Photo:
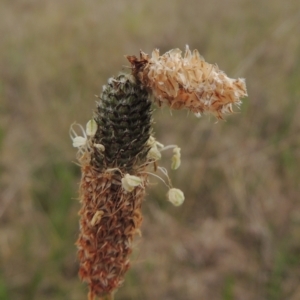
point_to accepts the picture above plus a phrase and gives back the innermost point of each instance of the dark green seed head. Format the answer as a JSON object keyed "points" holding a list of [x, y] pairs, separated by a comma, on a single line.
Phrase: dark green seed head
{"points": [[124, 119]]}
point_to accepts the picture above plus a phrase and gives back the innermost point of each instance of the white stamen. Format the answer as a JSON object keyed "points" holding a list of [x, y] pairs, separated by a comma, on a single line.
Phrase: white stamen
{"points": [[79, 141], [175, 196], [176, 161], [99, 147], [154, 153], [91, 127], [129, 182]]}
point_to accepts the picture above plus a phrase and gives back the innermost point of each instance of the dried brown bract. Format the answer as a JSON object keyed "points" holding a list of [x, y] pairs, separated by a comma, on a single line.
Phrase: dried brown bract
{"points": [[188, 82], [110, 217]]}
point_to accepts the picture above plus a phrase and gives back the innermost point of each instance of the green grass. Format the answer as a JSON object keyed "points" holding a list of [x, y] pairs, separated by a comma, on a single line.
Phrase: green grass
{"points": [[228, 289]]}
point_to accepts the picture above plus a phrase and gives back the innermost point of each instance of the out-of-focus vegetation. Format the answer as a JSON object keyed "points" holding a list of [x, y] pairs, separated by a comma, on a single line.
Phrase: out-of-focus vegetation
{"points": [[237, 236]]}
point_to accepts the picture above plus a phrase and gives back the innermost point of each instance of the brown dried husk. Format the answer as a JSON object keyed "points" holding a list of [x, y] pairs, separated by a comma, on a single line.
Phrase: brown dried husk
{"points": [[110, 217], [188, 82]]}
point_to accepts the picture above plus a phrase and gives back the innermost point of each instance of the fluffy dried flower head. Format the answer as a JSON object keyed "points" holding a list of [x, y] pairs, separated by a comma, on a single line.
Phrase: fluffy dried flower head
{"points": [[188, 82]]}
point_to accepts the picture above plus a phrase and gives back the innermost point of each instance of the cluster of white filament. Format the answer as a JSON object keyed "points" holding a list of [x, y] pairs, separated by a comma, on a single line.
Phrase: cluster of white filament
{"points": [[156, 149], [130, 182]]}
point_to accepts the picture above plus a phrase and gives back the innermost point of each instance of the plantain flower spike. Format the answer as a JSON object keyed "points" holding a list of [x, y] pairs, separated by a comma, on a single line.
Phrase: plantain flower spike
{"points": [[113, 156], [118, 147], [188, 82]]}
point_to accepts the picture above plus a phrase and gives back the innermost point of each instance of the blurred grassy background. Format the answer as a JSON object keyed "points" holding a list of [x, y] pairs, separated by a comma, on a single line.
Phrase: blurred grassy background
{"points": [[237, 236]]}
